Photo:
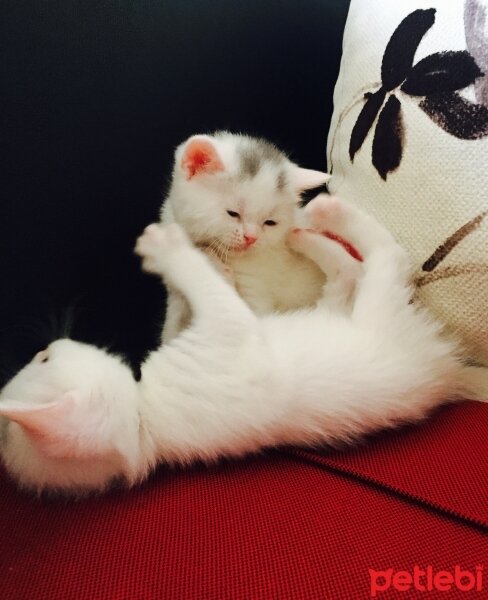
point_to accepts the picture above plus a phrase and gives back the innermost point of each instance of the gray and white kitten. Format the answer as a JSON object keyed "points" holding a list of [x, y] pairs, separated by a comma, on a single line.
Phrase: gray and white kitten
{"points": [[237, 197]]}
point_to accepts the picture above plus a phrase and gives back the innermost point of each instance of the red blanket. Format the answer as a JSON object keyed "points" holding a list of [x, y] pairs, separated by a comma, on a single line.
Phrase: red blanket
{"points": [[295, 525]]}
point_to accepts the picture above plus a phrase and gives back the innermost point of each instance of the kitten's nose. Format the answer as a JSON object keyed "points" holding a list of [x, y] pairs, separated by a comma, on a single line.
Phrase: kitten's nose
{"points": [[249, 239]]}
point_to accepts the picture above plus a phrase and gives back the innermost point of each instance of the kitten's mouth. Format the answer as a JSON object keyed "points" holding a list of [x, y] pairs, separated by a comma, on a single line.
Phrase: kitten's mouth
{"points": [[240, 249], [223, 250]]}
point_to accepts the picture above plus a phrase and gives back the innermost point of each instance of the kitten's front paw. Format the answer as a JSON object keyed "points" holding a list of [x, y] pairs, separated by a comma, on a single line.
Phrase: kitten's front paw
{"points": [[156, 243], [300, 239]]}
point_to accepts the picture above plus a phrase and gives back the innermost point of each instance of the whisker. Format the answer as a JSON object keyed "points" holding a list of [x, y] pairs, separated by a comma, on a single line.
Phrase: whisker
{"points": [[220, 249]]}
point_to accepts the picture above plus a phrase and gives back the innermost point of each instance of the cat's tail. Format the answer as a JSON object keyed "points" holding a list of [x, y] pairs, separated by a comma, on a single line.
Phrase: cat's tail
{"points": [[474, 383]]}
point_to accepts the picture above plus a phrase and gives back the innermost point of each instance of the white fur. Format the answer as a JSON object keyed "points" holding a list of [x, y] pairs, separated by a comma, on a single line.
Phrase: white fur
{"points": [[263, 272], [233, 382]]}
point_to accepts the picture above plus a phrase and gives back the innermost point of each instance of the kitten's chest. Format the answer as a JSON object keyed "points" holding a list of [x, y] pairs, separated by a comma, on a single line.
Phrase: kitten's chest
{"points": [[277, 281]]}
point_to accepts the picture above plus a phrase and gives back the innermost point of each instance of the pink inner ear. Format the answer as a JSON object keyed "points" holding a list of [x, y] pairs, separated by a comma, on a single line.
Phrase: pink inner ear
{"points": [[40, 419], [200, 156]]}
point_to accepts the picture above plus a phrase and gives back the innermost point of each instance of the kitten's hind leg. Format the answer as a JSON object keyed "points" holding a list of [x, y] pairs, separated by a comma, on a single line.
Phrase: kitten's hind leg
{"points": [[341, 269], [384, 291], [330, 213], [167, 251]]}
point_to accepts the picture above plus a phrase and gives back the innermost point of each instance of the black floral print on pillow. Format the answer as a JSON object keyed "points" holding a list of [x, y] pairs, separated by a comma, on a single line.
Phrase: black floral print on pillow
{"points": [[431, 265], [436, 79]]}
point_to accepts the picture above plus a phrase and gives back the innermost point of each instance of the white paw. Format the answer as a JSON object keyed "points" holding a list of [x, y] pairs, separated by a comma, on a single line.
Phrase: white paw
{"points": [[300, 239], [326, 212], [156, 242]]}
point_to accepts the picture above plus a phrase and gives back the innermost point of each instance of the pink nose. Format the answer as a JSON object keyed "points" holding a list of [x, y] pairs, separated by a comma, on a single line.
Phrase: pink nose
{"points": [[249, 239]]}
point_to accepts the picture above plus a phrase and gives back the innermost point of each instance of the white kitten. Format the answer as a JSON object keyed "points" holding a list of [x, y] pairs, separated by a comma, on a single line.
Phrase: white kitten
{"points": [[238, 197], [233, 383]]}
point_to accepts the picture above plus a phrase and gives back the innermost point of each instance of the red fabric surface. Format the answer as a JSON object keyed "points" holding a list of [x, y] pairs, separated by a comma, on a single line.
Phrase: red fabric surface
{"points": [[442, 462], [273, 527]]}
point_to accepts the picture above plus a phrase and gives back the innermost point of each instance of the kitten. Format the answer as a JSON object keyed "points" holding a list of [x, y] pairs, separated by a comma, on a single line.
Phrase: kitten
{"points": [[237, 197], [233, 382]]}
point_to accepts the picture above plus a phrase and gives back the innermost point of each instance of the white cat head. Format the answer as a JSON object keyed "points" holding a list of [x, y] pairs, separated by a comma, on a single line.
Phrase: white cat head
{"points": [[70, 416], [236, 192]]}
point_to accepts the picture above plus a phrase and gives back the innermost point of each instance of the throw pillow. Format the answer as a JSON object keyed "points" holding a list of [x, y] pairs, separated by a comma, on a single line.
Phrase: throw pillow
{"points": [[409, 142]]}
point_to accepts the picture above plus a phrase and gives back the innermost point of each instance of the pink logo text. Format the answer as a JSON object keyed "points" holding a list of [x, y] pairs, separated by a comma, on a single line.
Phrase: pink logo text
{"points": [[426, 580]]}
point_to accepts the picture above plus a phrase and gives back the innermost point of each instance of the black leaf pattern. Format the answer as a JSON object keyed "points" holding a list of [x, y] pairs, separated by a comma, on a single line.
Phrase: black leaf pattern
{"points": [[452, 241], [442, 72], [436, 78], [365, 120], [400, 50], [388, 138], [456, 115]]}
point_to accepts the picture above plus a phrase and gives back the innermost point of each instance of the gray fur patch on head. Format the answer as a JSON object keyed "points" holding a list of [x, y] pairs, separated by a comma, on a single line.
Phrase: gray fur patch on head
{"points": [[254, 153], [250, 162], [281, 181]]}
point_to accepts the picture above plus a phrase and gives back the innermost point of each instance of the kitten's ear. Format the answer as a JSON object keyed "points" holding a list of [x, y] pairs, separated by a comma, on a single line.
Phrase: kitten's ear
{"points": [[306, 179], [51, 426], [200, 157]]}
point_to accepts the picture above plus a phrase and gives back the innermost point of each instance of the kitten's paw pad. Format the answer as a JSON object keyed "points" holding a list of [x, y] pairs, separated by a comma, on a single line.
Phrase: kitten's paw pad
{"points": [[326, 211]]}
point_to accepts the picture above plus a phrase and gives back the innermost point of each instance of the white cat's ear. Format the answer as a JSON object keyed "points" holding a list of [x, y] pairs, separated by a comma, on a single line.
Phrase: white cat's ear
{"points": [[200, 157], [306, 179], [51, 426]]}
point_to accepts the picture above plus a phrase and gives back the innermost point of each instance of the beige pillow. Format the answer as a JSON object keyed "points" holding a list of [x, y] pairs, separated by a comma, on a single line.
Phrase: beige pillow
{"points": [[409, 142]]}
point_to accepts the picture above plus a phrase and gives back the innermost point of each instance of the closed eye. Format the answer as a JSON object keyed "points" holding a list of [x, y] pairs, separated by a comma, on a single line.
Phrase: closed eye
{"points": [[233, 214], [270, 223]]}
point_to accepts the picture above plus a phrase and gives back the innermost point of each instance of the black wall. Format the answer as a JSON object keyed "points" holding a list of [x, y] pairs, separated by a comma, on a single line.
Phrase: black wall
{"points": [[94, 98]]}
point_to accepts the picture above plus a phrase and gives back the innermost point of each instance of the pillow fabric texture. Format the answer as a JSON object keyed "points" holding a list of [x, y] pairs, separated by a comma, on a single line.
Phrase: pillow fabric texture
{"points": [[409, 142]]}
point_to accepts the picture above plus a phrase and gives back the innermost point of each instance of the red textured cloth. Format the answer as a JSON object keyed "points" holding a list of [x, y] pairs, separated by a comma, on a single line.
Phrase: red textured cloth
{"points": [[442, 463], [268, 528]]}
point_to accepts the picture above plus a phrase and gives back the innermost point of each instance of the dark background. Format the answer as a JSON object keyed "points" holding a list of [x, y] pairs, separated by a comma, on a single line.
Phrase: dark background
{"points": [[94, 98]]}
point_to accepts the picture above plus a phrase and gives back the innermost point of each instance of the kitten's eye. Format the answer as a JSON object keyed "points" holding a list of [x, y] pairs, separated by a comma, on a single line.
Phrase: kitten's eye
{"points": [[233, 214], [270, 223]]}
